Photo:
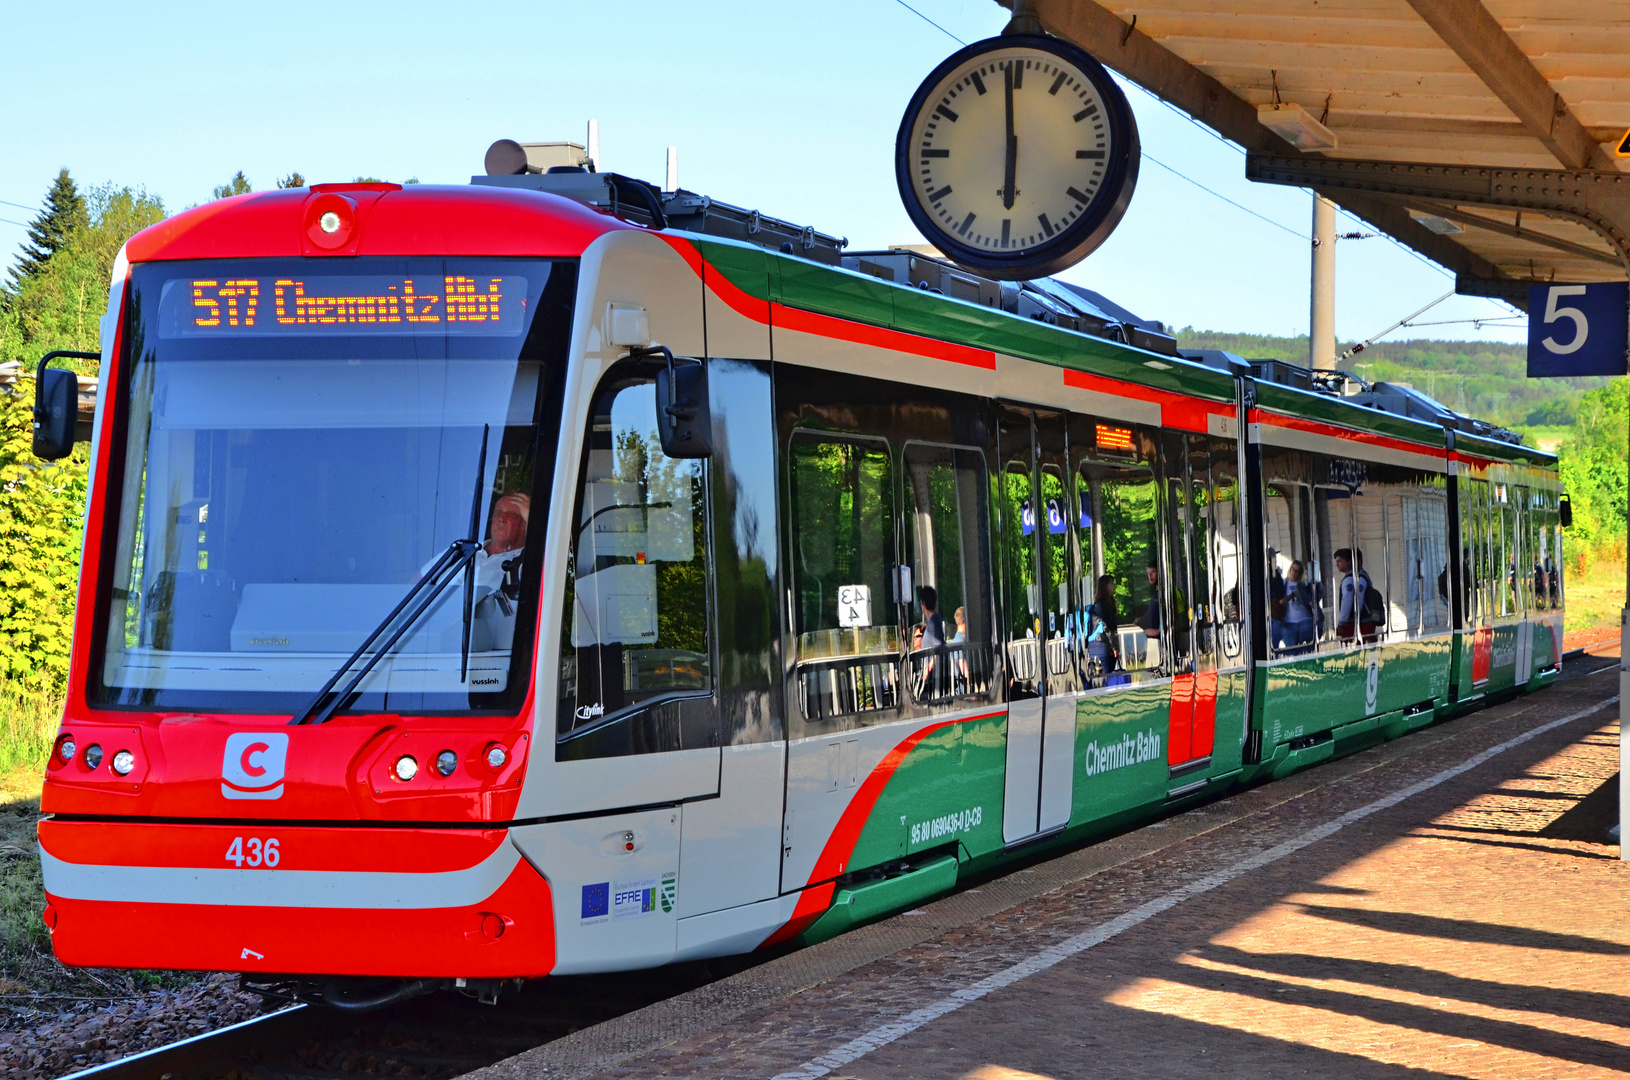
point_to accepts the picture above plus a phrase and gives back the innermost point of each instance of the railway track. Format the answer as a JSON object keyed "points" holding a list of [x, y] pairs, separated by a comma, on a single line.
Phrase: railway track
{"points": [[441, 1035]]}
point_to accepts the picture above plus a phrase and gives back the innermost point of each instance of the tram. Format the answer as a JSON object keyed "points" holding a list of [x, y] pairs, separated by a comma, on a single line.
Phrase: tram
{"points": [[558, 575]]}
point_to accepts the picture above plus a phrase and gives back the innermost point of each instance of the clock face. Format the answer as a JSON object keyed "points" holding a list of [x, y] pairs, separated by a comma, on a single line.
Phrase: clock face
{"points": [[1017, 156]]}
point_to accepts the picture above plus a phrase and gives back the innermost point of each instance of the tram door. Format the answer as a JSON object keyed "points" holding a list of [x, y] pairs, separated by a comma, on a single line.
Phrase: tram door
{"points": [[1190, 606], [1036, 536]]}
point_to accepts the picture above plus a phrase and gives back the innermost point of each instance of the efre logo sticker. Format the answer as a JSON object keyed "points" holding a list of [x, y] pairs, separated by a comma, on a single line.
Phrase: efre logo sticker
{"points": [[253, 765]]}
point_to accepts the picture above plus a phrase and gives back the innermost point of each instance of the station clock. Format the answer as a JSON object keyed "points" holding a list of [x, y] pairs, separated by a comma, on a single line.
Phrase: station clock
{"points": [[1017, 156]]}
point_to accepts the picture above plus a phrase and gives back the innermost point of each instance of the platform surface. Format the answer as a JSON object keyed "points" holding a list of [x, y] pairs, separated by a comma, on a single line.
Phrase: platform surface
{"points": [[1442, 905]]}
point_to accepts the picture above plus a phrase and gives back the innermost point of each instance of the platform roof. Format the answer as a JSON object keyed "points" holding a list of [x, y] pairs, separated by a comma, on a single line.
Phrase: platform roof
{"points": [[1501, 83]]}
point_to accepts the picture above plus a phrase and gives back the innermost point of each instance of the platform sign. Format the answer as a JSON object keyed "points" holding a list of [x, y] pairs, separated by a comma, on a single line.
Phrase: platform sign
{"points": [[1578, 329]]}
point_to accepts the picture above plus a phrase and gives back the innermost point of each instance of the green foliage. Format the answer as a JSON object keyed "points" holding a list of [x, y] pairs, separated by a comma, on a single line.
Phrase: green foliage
{"points": [[29, 717], [60, 306], [1485, 379], [1594, 470], [64, 212], [293, 180], [238, 185], [41, 510]]}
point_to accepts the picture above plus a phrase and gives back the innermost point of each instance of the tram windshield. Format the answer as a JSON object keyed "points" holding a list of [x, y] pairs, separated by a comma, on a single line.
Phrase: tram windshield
{"points": [[295, 443]]}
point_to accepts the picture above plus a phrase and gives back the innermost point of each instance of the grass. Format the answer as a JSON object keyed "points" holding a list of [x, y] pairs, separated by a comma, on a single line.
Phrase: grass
{"points": [[1596, 596], [29, 718]]}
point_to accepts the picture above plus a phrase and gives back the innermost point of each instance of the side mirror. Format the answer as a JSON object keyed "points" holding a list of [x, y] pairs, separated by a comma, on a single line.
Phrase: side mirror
{"points": [[56, 406], [684, 418], [1566, 509]]}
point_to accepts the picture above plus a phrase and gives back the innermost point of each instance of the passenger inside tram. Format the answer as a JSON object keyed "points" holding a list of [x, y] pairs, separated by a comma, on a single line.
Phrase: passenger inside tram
{"points": [[1151, 621], [1103, 628], [1359, 598], [1296, 620]]}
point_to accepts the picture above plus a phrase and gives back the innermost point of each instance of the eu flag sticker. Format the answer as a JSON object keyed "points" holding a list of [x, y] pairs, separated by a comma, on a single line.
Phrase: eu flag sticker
{"points": [[596, 901]]}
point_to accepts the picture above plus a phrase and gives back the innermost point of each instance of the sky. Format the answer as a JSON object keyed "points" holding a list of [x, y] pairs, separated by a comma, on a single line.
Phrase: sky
{"points": [[791, 109]]}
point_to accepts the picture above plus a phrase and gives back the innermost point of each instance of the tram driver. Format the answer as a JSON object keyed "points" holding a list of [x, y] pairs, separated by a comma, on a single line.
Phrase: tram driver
{"points": [[498, 573]]}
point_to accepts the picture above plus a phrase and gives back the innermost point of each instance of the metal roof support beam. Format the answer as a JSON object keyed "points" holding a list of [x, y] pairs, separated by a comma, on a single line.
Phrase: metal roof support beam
{"points": [[1599, 200], [1478, 221], [1127, 50], [1478, 39]]}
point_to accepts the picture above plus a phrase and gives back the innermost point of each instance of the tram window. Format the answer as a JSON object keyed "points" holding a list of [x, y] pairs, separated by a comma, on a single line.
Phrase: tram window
{"points": [[947, 550], [1546, 564], [1225, 560], [1403, 580], [1018, 545], [1432, 524], [1473, 556], [844, 580], [638, 581], [282, 491], [1333, 516], [1371, 528], [1118, 506], [1293, 582]]}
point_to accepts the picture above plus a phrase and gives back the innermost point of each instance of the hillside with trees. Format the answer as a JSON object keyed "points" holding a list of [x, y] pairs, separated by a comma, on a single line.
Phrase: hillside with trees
{"points": [[1485, 379]]}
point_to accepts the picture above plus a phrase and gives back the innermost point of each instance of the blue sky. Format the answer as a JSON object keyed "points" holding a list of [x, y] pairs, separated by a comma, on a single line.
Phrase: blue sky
{"points": [[789, 108]]}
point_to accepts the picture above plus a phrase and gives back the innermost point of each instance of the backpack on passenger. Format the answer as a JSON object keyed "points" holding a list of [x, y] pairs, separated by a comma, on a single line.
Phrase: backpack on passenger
{"points": [[1375, 605]]}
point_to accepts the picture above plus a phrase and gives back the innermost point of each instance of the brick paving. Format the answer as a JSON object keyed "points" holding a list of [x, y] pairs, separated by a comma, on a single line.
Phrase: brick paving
{"points": [[1477, 928]]}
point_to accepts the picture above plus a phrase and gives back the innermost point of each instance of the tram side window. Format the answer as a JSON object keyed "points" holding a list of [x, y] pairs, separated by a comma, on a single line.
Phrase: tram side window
{"points": [[1333, 520], [638, 578], [948, 556], [1432, 525], [845, 591], [1118, 506], [1225, 560], [1473, 554], [1294, 612], [1369, 562], [1547, 560]]}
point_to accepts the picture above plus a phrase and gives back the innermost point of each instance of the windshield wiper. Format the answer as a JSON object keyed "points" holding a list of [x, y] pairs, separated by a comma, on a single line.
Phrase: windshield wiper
{"points": [[459, 556]]}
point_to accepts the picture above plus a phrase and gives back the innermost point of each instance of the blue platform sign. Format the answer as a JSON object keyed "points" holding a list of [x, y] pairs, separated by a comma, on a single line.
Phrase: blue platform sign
{"points": [[1578, 329]]}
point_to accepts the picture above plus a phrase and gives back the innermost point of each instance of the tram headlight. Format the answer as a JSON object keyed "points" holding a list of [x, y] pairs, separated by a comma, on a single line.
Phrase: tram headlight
{"points": [[496, 756], [123, 762], [93, 756], [406, 767], [66, 750], [446, 762]]}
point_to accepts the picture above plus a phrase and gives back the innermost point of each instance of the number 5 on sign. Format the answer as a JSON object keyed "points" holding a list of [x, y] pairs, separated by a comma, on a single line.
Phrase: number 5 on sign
{"points": [[1577, 329]]}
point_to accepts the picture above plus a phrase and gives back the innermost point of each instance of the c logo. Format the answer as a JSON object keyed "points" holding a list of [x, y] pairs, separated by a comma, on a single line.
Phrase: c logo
{"points": [[249, 768], [253, 764]]}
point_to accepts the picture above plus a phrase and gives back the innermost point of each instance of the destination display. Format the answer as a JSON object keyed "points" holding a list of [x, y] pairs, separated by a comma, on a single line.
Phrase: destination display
{"points": [[437, 304]]}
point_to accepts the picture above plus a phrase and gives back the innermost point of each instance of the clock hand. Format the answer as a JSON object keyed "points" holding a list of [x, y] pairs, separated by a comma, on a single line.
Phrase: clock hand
{"points": [[1010, 168]]}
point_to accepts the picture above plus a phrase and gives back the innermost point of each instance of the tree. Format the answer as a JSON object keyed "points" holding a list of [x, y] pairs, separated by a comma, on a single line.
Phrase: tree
{"points": [[238, 185], [64, 212], [293, 180], [60, 306]]}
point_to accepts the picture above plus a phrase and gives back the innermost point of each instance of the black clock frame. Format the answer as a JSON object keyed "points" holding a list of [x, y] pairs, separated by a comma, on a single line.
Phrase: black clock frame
{"points": [[1082, 236]]}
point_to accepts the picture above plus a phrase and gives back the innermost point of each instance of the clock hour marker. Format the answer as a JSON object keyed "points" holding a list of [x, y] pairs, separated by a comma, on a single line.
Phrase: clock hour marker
{"points": [[951, 116], [1090, 155], [1077, 196], [1058, 82], [1046, 226], [1090, 110], [978, 83], [946, 190], [1018, 73], [1007, 226], [967, 221], [927, 153]]}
